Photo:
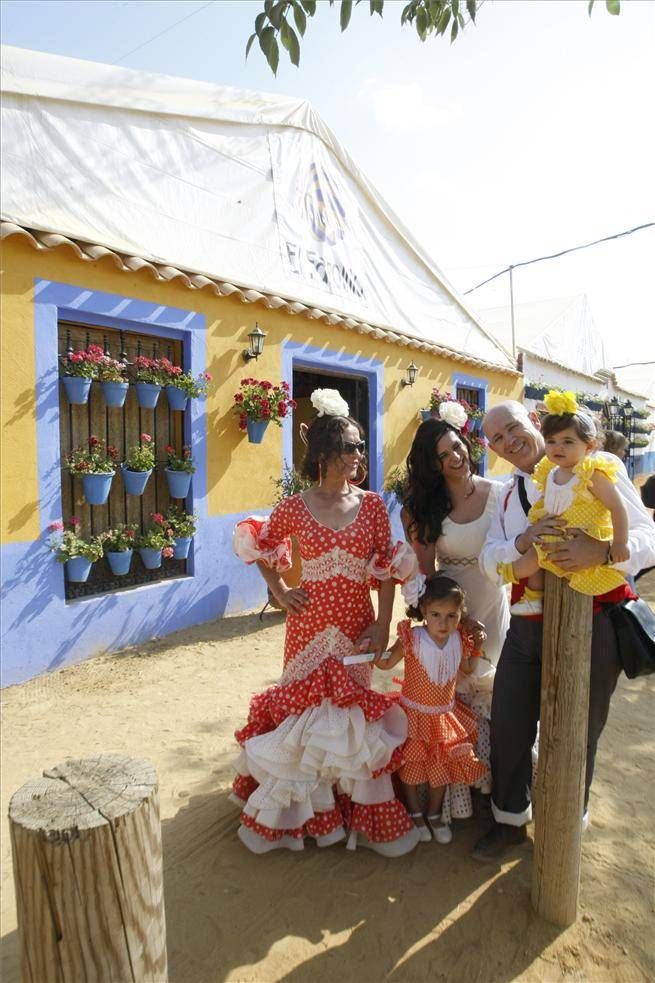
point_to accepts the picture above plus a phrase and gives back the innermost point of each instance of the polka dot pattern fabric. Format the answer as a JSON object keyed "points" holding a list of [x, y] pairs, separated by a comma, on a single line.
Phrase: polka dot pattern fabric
{"points": [[585, 512], [440, 745], [318, 748]]}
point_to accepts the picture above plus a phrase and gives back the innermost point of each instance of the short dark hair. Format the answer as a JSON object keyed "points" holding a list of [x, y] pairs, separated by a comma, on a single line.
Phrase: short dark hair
{"points": [[581, 422], [438, 588], [325, 442]]}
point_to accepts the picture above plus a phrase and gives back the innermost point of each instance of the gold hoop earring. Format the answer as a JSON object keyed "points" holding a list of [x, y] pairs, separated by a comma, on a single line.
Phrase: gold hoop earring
{"points": [[360, 477]]}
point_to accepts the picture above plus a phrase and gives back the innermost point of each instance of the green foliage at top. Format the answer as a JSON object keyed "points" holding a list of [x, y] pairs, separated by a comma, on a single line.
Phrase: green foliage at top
{"points": [[284, 22]]}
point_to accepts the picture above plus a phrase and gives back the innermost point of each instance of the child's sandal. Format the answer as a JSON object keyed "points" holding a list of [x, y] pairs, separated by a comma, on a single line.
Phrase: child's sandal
{"points": [[441, 831], [424, 832]]}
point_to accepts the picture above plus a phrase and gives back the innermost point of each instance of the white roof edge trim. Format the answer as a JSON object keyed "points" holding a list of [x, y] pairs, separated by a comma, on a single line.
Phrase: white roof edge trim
{"points": [[284, 111], [91, 252]]}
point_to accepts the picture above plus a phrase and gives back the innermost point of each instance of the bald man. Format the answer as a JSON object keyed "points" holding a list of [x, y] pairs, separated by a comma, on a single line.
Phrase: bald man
{"points": [[514, 435]]}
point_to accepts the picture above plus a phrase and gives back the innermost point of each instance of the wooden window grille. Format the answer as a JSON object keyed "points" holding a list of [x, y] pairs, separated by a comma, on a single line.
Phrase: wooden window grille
{"points": [[120, 427]]}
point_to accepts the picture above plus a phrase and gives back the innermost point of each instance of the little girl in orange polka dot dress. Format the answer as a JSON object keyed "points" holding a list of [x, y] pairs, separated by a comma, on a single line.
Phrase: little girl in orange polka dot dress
{"points": [[442, 731]]}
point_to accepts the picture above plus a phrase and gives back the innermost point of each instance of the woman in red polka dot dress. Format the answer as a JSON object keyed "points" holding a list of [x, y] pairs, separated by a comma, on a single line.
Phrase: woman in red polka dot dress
{"points": [[442, 730], [319, 747]]}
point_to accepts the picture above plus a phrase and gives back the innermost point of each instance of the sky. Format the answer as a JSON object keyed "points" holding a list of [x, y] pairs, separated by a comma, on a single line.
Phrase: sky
{"points": [[531, 134]]}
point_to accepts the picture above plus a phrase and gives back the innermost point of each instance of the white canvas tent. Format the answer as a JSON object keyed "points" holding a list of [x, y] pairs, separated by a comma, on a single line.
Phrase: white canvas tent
{"points": [[249, 188]]}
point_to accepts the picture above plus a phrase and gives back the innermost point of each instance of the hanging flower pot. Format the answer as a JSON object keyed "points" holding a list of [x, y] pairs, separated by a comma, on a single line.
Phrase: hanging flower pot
{"points": [[97, 487], [147, 394], [77, 388], [78, 569], [151, 558], [119, 563], [115, 392], [182, 547], [177, 398], [256, 430], [135, 481], [179, 483]]}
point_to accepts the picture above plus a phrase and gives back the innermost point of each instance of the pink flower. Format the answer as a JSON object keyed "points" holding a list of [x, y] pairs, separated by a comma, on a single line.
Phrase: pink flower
{"points": [[208, 376], [170, 449], [56, 526], [167, 552], [238, 397], [129, 533], [285, 385], [158, 518], [74, 521], [93, 441], [146, 438], [113, 452], [76, 357]]}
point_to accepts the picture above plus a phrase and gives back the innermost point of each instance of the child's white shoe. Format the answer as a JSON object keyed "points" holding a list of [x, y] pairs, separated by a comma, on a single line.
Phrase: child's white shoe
{"points": [[423, 831], [525, 608], [441, 831]]}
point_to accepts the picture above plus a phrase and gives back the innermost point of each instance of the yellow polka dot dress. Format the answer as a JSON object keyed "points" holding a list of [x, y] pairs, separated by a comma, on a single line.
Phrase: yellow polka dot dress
{"points": [[576, 503]]}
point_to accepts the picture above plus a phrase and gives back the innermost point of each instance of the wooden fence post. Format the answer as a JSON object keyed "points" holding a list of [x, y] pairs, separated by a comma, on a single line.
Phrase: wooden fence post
{"points": [[86, 842], [559, 791]]}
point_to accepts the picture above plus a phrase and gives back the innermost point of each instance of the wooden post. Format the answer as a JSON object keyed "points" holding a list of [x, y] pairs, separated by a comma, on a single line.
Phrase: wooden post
{"points": [[86, 843], [559, 791]]}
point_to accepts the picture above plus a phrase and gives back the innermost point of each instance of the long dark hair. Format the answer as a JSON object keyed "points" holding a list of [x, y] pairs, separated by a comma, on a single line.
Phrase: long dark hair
{"points": [[325, 441], [427, 500]]}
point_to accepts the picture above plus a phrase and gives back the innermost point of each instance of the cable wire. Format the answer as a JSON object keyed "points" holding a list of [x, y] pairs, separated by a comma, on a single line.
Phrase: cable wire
{"points": [[563, 252], [165, 31]]}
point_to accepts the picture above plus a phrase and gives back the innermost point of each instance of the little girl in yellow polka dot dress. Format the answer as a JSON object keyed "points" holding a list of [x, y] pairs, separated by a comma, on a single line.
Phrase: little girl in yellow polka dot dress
{"points": [[580, 487], [442, 731]]}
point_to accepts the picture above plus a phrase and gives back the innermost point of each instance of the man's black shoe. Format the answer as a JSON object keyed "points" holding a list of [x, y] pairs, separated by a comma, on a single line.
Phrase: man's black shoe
{"points": [[497, 841]]}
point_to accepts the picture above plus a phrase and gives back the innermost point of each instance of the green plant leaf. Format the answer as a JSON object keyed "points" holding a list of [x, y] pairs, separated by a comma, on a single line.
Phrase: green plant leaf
{"points": [[346, 11], [273, 57], [275, 15], [260, 20], [455, 7], [290, 41], [590, 7], [444, 20], [472, 8], [613, 6], [249, 45], [266, 38], [300, 19], [453, 30], [421, 22], [309, 6]]}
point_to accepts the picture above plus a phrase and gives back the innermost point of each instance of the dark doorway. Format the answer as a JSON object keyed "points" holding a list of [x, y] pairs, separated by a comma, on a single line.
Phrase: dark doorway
{"points": [[354, 390]]}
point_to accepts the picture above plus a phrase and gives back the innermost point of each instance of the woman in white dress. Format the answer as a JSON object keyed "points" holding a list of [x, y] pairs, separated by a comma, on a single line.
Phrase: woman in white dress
{"points": [[447, 512]]}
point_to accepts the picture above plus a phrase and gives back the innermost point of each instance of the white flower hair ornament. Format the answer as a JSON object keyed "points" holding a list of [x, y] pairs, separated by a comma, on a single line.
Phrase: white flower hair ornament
{"points": [[329, 402], [413, 590], [453, 413]]}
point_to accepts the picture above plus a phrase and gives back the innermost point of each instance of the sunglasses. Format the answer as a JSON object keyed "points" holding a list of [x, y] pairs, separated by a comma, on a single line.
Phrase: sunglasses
{"points": [[350, 446]]}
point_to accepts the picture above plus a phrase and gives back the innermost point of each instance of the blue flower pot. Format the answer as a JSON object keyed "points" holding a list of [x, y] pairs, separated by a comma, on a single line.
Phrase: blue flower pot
{"points": [[77, 388], [256, 430], [78, 569], [147, 394], [182, 547], [179, 483], [115, 392], [119, 563], [96, 487], [151, 558], [177, 398], [135, 481]]}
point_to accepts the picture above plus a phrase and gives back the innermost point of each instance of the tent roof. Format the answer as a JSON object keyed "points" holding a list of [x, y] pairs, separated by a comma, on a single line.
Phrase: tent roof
{"points": [[560, 330], [241, 187]]}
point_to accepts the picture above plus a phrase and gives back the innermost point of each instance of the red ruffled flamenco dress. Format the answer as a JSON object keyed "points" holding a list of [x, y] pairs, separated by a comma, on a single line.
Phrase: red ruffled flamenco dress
{"points": [[319, 748]]}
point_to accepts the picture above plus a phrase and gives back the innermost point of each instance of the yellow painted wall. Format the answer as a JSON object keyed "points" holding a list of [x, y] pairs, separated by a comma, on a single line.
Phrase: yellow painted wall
{"points": [[239, 474]]}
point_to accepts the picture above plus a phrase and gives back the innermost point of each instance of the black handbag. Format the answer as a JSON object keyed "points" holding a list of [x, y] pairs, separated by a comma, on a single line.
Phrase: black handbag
{"points": [[634, 624]]}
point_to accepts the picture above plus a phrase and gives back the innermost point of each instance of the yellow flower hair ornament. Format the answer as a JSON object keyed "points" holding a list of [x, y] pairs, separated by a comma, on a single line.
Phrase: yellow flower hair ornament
{"points": [[559, 403]]}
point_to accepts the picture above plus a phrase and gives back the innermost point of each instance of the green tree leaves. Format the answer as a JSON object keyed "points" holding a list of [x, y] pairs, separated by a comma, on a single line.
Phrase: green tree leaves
{"points": [[274, 25]]}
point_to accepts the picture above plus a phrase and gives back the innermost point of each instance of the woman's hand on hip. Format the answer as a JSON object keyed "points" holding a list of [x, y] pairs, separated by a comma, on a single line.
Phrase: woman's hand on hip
{"points": [[293, 599]]}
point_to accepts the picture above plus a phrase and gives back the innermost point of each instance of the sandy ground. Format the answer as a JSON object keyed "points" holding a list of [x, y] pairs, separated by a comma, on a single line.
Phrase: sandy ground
{"points": [[331, 915]]}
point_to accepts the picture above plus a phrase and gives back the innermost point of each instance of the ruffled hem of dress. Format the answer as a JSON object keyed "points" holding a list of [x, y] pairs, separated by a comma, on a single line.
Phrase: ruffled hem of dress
{"points": [[329, 681], [448, 729]]}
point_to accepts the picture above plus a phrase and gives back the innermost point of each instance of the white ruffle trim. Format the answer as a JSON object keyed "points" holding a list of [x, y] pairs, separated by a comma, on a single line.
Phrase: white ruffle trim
{"points": [[400, 565], [298, 763]]}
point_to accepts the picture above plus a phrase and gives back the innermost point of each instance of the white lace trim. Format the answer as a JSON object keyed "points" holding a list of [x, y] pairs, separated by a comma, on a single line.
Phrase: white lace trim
{"points": [[423, 708], [331, 641], [441, 665], [337, 562]]}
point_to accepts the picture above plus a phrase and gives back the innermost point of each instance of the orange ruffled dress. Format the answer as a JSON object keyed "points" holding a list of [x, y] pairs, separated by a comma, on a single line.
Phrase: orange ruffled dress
{"points": [[442, 731], [319, 747]]}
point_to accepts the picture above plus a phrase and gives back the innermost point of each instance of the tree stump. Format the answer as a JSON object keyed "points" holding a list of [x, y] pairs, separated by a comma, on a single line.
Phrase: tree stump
{"points": [[559, 791], [86, 843]]}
